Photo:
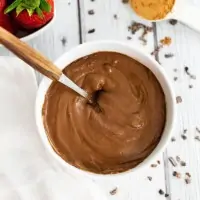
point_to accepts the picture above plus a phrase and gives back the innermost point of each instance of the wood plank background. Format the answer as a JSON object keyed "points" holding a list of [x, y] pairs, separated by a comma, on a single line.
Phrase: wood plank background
{"points": [[110, 21]]}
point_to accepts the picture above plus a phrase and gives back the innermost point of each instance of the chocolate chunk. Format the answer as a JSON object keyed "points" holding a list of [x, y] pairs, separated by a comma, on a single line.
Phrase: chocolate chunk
{"points": [[161, 192], [91, 12], [115, 16], [114, 191], [173, 21], [188, 174], [178, 99], [64, 41], [197, 129], [184, 137], [175, 78], [91, 31], [183, 163], [172, 161], [149, 178], [169, 55], [173, 139], [190, 86], [185, 131], [166, 195], [177, 174], [187, 180], [197, 138], [188, 73]]}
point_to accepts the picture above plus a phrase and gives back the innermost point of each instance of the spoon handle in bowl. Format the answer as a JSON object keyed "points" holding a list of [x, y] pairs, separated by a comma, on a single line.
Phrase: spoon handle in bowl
{"points": [[29, 55], [189, 15]]}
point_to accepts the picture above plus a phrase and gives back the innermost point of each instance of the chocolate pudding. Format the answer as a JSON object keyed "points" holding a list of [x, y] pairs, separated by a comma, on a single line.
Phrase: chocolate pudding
{"points": [[120, 128]]}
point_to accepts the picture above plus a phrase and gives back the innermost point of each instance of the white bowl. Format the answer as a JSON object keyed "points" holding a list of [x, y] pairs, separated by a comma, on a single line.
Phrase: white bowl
{"points": [[131, 51]]}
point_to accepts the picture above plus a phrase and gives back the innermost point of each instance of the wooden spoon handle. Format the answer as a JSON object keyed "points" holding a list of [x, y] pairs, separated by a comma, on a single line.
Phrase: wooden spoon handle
{"points": [[29, 55]]}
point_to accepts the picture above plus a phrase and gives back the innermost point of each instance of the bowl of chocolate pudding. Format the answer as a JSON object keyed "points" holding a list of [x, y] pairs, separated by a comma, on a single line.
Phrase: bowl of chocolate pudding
{"points": [[135, 116]]}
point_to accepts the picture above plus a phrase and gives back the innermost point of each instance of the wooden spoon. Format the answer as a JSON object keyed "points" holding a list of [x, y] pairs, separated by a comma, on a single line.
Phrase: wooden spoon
{"points": [[37, 61]]}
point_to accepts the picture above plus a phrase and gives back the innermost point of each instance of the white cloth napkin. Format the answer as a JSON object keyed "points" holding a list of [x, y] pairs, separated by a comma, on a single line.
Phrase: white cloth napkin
{"points": [[26, 172]]}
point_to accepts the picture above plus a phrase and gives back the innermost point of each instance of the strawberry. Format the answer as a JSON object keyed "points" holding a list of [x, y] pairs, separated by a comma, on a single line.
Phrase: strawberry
{"points": [[2, 5], [5, 22], [31, 14]]}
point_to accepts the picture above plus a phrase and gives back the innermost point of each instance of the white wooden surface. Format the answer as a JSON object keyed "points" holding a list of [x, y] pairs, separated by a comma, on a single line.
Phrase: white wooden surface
{"points": [[72, 25]]}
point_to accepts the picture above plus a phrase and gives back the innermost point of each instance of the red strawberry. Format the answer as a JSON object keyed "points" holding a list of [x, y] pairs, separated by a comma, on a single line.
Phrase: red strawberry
{"points": [[2, 5], [32, 14], [5, 22]]}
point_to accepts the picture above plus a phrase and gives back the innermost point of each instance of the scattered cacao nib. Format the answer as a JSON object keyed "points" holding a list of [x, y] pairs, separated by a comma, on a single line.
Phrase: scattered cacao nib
{"points": [[177, 174], [91, 12], [187, 180], [175, 78], [149, 178], [135, 26], [169, 55], [161, 192], [129, 38], [69, 3], [115, 16], [183, 163], [114, 191], [64, 41], [175, 70], [178, 99], [125, 1], [153, 165], [92, 0], [173, 22], [185, 131], [156, 50], [91, 31], [158, 161], [166, 195], [143, 40], [197, 138], [190, 86], [197, 129], [173, 139], [184, 137], [188, 73], [188, 174], [166, 41], [172, 161], [178, 159]]}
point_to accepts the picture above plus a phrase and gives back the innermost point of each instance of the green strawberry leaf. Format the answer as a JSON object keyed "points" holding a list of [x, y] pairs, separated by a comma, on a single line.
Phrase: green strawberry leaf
{"points": [[30, 11], [39, 12], [45, 6], [19, 9], [30, 6], [12, 6]]}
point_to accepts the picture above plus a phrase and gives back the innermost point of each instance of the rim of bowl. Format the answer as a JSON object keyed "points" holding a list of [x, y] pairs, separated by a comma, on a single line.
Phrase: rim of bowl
{"points": [[140, 56]]}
